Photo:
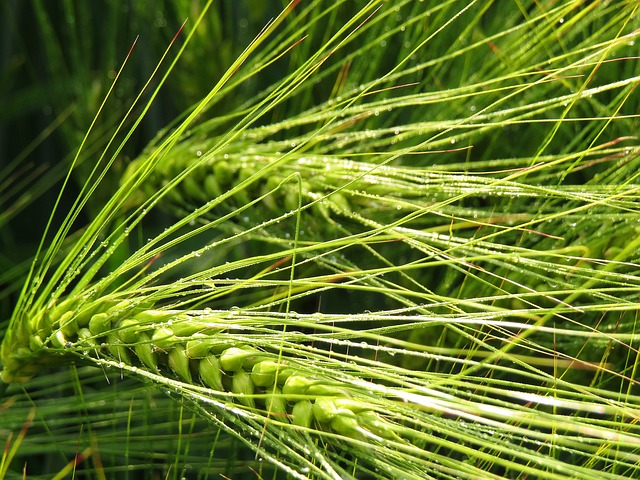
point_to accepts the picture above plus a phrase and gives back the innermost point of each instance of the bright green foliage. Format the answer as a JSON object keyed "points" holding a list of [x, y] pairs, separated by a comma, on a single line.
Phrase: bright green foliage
{"points": [[389, 240]]}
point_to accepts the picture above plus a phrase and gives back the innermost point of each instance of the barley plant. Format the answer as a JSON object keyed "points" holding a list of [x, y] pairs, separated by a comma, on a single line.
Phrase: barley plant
{"points": [[321, 240]]}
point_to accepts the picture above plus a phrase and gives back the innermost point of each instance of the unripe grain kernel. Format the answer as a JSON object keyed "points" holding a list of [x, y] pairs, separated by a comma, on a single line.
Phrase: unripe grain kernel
{"points": [[275, 403], [42, 324], [263, 373], [302, 413], [99, 323], [65, 306], [58, 340], [183, 326], [211, 372], [179, 363], [128, 330], [120, 309], [84, 315], [85, 337], [347, 426], [163, 337], [242, 385], [297, 385], [144, 351], [234, 358], [87, 341], [202, 345], [68, 324], [253, 359], [284, 373], [23, 332], [198, 348], [372, 422], [35, 343], [323, 389], [117, 349], [152, 316], [352, 405], [326, 409]]}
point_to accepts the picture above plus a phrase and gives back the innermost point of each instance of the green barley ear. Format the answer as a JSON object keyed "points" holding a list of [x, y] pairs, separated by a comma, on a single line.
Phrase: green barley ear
{"points": [[430, 272]]}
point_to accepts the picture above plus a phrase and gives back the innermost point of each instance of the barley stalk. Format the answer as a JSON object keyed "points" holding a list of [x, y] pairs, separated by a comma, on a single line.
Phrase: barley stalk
{"points": [[196, 348], [242, 363]]}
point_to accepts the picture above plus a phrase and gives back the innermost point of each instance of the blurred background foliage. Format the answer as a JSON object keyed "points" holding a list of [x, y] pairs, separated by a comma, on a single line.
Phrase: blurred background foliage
{"points": [[58, 61]]}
